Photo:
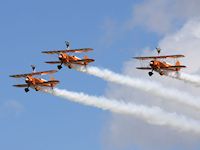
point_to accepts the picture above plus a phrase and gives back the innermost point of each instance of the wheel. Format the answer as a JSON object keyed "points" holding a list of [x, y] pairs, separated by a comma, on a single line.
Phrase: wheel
{"points": [[37, 88], [161, 73], [59, 67], [69, 66], [26, 90], [150, 73]]}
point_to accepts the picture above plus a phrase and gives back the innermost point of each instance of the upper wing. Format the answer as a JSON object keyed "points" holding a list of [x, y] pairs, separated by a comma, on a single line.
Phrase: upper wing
{"points": [[159, 57], [33, 74], [21, 85], [68, 51]]}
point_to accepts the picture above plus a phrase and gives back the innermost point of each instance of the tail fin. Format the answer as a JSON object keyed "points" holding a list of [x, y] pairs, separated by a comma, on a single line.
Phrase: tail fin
{"points": [[53, 82], [85, 62], [86, 57], [178, 64], [52, 78]]}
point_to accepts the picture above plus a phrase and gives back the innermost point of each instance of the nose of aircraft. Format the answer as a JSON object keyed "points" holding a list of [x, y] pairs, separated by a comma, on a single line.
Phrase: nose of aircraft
{"points": [[60, 56], [151, 63], [27, 79]]}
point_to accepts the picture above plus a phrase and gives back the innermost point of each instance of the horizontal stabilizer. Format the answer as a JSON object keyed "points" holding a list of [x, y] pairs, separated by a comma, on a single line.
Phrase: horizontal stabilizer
{"points": [[82, 60]]}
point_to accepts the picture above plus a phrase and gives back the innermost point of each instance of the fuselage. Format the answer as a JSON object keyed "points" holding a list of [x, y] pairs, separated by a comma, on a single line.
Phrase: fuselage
{"points": [[35, 82], [68, 59], [162, 67], [155, 64], [65, 58]]}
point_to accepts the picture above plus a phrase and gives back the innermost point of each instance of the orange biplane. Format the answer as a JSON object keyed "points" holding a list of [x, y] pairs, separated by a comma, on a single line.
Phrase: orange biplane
{"points": [[69, 60], [36, 83], [162, 67]]}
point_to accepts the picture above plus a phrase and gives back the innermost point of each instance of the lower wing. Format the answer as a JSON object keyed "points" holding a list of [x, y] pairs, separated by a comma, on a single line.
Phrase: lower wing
{"points": [[21, 85], [53, 62], [33, 74], [144, 68]]}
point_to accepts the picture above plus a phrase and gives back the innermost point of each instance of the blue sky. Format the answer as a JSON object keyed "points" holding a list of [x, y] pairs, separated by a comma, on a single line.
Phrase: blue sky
{"points": [[39, 121]]}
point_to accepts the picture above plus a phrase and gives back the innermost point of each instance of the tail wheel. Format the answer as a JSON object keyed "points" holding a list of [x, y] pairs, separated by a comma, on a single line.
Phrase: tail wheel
{"points": [[85, 64], [37, 88], [59, 67], [150, 73], [69, 66], [161, 73]]}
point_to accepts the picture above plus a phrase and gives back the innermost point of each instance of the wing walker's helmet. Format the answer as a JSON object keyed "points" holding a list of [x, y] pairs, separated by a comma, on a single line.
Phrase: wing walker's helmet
{"points": [[158, 50], [33, 67], [67, 44]]}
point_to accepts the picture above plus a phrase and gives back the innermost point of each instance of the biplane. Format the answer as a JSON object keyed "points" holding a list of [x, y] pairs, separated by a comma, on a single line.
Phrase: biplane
{"points": [[36, 83], [69, 60], [157, 63]]}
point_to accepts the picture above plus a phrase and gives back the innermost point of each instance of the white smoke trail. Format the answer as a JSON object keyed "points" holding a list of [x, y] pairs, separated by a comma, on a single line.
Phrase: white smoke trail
{"points": [[145, 85], [151, 115], [188, 78]]}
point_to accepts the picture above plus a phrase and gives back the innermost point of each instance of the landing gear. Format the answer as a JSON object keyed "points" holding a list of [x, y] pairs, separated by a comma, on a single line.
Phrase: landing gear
{"points": [[69, 66], [150, 73], [59, 67], [161, 73], [37, 88], [26, 90]]}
